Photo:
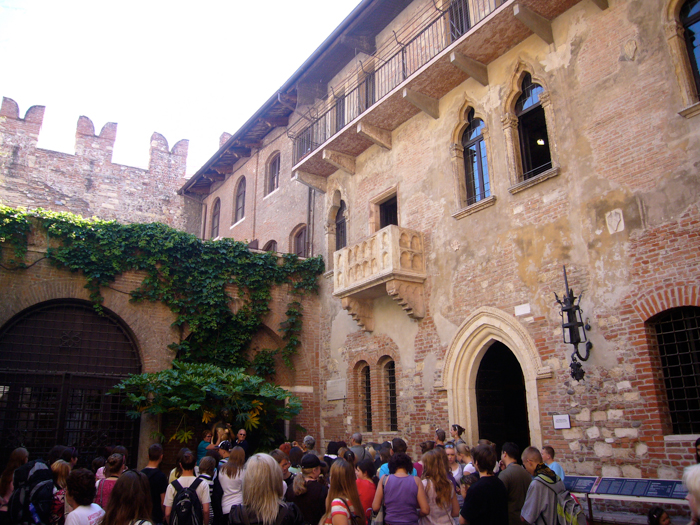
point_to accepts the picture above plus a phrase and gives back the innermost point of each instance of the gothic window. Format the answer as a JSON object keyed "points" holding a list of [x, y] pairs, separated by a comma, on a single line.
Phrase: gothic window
{"points": [[390, 375], [215, 216], [678, 338], [271, 246], [240, 201], [690, 18], [300, 242], [340, 227], [475, 163], [273, 173], [532, 130], [366, 392]]}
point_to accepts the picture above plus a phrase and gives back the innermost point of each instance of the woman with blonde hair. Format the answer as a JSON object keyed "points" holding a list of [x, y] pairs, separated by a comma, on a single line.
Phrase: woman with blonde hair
{"points": [[343, 505], [60, 470], [262, 496], [231, 480], [442, 498], [130, 501]]}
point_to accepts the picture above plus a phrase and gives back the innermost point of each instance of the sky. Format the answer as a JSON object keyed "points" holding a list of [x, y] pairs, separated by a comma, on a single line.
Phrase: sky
{"points": [[186, 69]]}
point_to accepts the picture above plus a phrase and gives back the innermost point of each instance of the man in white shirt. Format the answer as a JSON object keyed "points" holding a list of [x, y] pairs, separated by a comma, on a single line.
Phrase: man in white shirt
{"points": [[186, 479], [80, 493]]}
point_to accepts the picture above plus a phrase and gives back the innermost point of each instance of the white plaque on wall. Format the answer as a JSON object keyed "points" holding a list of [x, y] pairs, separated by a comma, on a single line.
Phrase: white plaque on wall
{"points": [[561, 421], [336, 389]]}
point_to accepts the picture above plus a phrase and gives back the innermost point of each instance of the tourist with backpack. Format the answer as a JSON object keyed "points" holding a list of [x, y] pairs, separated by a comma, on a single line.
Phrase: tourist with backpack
{"points": [[547, 501], [187, 498], [31, 499], [18, 458]]}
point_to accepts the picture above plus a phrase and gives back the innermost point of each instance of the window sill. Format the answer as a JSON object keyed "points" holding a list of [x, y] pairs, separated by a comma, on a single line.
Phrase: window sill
{"points": [[549, 174], [680, 438], [690, 111], [271, 193], [473, 208], [236, 224]]}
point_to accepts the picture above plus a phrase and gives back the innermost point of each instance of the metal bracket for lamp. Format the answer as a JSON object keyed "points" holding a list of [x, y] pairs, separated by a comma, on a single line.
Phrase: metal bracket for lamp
{"points": [[574, 327]]}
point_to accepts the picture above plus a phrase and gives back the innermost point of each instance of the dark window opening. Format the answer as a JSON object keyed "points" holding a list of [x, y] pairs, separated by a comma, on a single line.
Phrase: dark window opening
{"points": [[368, 398], [532, 130], [690, 18], [678, 336], [273, 174], [215, 216], [271, 246], [475, 162], [340, 227], [300, 243], [240, 201], [340, 113], [389, 212], [459, 18], [368, 91], [391, 390]]}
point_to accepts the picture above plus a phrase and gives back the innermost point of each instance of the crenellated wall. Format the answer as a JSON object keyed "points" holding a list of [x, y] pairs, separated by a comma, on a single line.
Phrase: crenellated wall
{"points": [[89, 183]]}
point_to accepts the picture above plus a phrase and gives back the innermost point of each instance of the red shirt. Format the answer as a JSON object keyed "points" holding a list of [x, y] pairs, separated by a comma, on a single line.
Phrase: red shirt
{"points": [[366, 490]]}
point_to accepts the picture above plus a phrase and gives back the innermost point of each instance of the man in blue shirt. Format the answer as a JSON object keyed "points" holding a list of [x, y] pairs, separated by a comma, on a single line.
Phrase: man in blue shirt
{"points": [[548, 458]]}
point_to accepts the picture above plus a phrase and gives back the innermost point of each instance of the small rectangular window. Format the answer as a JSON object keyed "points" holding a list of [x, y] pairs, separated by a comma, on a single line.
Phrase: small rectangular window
{"points": [[391, 390]]}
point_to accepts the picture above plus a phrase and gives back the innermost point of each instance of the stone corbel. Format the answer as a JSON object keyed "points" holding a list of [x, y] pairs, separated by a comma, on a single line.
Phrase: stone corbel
{"points": [[361, 311], [409, 295]]}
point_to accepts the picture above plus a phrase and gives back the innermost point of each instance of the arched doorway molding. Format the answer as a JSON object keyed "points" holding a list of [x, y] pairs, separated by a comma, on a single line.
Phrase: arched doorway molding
{"points": [[474, 337]]}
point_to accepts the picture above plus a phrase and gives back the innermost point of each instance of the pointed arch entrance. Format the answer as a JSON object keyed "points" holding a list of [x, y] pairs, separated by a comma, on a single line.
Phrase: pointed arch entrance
{"points": [[477, 334], [57, 361]]}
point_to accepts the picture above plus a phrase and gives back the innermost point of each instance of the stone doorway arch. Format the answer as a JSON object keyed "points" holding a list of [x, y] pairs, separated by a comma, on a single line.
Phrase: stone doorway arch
{"points": [[471, 342]]}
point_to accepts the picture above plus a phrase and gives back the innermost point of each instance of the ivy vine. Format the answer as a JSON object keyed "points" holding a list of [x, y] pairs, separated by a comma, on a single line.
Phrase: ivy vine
{"points": [[195, 278]]}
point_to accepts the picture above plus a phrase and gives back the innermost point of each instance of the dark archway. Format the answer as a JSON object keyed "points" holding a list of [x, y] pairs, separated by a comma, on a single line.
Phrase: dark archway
{"points": [[57, 361], [500, 397]]}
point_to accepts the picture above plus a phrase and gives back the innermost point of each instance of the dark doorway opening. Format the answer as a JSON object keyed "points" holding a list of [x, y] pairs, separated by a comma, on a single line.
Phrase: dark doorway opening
{"points": [[500, 398], [389, 212], [57, 362]]}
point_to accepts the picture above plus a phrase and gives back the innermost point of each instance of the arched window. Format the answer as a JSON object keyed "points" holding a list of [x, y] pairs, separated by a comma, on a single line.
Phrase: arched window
{"points": [[240, 201], [475, 163], [366, 393], [340, 229], [690, 18], [390, 376], [300, 242], [271, 246], [273, 173], [678, 338], [215, 216], [532, 130]]}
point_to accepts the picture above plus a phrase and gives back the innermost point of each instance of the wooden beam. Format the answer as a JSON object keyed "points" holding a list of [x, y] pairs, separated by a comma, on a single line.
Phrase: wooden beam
{"points": [[361, 43], [199, 189], [381, 137], [602, 4], [471, 67], [340, 160], [239, 152], [535, 22], [423, 102], [214, 176], [317, 182], [275, 122]]}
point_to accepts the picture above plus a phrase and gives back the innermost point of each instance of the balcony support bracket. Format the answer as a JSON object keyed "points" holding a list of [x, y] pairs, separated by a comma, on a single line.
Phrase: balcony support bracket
{"points": [[423, 102], [471, 67], [317, 182], [602, 4], [409, 295], [381, 137], [340, 160], [535, 22], [361, 310]]}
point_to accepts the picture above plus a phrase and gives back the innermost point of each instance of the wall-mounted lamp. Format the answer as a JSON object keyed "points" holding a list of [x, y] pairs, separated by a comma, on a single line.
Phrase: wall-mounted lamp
{"points": [[574, 329]]}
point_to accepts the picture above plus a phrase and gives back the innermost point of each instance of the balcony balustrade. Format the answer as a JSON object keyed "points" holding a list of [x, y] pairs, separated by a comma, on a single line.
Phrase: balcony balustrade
{"points": [[388, 262]]}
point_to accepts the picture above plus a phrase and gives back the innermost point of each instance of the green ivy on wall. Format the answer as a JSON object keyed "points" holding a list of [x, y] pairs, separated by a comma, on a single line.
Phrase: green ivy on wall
{"points": [[191, 276]]}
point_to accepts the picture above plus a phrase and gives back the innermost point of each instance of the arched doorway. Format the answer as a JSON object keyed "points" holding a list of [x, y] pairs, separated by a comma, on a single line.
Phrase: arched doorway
{"points": [[57, 361], [500, 398]]}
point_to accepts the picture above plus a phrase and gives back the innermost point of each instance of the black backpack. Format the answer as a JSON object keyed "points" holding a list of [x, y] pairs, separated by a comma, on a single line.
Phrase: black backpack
{"points": [[30, 503], [187, 509]]}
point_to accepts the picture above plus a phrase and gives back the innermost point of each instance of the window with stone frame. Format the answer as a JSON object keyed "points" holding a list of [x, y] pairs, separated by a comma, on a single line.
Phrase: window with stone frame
{"points": [[690, 19], [273, 173], [300, 247], [476, 167], [239, 213], [215, 218], [340, 227], [390, 377], [677, 334], [535, 155], [270, 246]]}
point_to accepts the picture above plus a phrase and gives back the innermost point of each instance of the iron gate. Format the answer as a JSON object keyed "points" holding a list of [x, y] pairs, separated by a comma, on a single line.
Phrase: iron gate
{"points": [[57, 361]]}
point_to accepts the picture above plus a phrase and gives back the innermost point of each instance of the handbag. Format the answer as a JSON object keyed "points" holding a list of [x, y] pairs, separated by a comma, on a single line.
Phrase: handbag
{"points": [[378, 517]]}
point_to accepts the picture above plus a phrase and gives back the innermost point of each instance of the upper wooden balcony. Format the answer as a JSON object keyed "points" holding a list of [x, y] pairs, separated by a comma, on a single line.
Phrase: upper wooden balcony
{"points": [[455, 44]]}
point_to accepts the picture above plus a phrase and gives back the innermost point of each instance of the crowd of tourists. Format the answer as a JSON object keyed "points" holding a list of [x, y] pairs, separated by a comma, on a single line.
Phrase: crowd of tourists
{"points": [[356, 483]]}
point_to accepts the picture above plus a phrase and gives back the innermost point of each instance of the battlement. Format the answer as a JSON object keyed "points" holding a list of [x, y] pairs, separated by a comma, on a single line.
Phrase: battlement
{"points": [[87, 182]]}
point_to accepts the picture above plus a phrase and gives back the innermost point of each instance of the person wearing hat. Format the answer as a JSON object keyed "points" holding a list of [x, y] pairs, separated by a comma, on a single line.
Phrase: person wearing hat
{"points": [[225, 448], [307, 492]]}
